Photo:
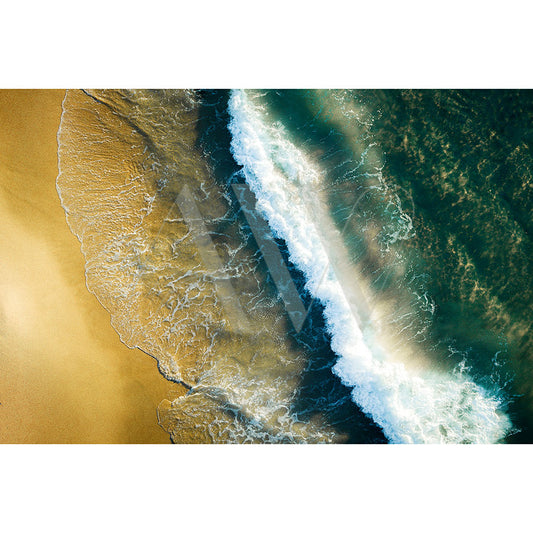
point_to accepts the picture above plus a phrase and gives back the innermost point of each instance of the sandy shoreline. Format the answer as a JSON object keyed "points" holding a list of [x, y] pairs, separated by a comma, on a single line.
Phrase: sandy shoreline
{"points": [[64, 374]]}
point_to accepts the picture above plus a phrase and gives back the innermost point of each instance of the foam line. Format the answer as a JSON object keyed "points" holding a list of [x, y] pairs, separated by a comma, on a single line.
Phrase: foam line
{"points": [[423, 407]]}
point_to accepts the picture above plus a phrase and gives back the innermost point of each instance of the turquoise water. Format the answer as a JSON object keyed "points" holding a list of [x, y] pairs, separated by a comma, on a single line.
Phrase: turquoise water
{"points": [[401, 216]]}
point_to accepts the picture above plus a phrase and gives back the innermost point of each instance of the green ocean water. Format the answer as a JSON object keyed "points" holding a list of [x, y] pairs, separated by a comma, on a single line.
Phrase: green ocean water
{"points": [[460, 162], [466, 159], [430, 193]]}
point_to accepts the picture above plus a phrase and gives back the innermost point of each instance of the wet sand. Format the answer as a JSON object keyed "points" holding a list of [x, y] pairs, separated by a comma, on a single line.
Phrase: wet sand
{"points": [[64, 374]]}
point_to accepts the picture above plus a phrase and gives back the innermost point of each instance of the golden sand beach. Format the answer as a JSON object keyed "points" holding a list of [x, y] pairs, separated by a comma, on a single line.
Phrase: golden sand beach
{"points": [[64, 375]]}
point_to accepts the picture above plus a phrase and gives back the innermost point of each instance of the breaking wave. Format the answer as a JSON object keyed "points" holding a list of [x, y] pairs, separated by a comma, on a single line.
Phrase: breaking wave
{"points": [[411, 404]]}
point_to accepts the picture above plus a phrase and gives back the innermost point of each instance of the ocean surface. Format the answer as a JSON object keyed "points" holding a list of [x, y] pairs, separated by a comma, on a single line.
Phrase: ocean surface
{"points": [[314, 266]]}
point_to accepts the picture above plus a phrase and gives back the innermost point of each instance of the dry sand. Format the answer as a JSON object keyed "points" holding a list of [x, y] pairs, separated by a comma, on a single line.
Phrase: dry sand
{"points": [[64, 374]]}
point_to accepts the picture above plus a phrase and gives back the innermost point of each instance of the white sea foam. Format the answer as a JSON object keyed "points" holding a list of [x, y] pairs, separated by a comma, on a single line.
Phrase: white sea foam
{"points": [[411, 406]]}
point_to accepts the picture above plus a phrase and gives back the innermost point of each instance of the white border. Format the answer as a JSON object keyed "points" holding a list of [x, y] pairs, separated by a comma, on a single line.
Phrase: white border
{"points": [[265, 488], [279, 43]]}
